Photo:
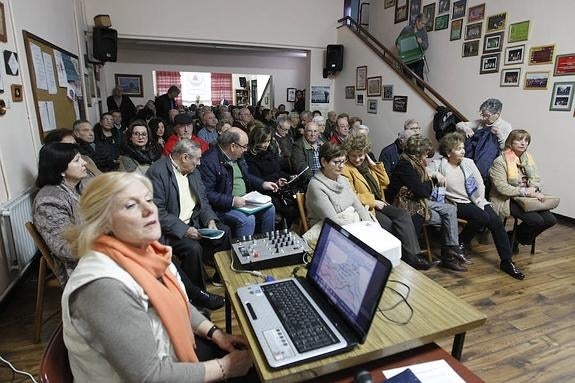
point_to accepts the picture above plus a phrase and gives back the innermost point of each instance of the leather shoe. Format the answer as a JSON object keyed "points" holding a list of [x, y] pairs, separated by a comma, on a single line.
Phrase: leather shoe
{"points": [[460, 255], [419, 263], [510, 268], [450, 258], [452, 264], [210, 301], [514, 243]]}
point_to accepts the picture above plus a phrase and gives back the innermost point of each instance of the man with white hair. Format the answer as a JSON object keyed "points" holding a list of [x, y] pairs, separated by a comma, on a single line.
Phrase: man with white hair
{"points": [[390, 154]]}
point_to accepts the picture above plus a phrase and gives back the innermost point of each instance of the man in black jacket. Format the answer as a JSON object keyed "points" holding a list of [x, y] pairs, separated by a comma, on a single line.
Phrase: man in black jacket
{"points": [[166, 102]]}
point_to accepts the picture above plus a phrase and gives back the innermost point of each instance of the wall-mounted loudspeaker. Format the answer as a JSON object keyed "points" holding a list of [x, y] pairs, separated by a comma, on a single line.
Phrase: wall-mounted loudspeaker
{"points": [[105, 44], [334, 58], [243, 82]]}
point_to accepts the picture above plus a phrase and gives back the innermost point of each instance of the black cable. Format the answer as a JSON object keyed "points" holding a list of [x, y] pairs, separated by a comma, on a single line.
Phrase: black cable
{"points": [[402, 300]]}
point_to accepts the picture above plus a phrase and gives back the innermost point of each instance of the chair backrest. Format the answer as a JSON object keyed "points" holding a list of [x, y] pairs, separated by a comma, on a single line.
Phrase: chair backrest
{"points": [[300, 199], [42, 247], [409, 49], [55, 366]]}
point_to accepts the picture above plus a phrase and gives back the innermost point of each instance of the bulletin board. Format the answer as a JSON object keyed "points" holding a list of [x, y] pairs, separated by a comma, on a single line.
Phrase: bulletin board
{"points": [[56, 84]]}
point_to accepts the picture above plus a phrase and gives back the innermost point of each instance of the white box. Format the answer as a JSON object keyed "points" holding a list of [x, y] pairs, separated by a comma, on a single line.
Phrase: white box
{"points": [[378, 239]]}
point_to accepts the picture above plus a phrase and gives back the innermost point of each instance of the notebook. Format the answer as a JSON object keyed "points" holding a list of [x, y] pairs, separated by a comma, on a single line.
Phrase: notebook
{"points": [[327, 312]]}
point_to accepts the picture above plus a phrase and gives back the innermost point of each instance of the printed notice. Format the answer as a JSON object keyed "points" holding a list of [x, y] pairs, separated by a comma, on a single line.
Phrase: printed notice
{"points": [[39, 70], [49, 69]]}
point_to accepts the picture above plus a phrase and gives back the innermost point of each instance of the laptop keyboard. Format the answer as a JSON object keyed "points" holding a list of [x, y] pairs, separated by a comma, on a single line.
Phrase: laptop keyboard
{"points": [[305, 327]]}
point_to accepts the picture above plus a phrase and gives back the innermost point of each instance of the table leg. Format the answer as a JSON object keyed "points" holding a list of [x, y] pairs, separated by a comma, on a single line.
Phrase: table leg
{"points": [[228, 313], [458, 345]]}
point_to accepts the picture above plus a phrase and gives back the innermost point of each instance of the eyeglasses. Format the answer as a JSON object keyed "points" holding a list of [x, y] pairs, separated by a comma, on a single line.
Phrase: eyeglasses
{"points": [[487, 114], [244, 147], [338, 162], [140, 134]]}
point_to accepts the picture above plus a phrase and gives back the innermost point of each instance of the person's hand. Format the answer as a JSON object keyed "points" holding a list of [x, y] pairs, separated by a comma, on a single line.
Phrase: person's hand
{"points": [[380, 204], [229, 342], [419, 40], [212, 224], [495, 130], [238, 202], [193, 233], [270, 186], [468, 132], [540, 196], [237, 363], [440, 179], [530, 192], [281, 182]]}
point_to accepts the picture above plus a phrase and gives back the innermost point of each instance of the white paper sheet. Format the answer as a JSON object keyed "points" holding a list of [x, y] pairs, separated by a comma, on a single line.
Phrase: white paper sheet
{"points": [[49, 69], [44, 118], [51, 114], [437, 371], [62, 78], [39, 70]]}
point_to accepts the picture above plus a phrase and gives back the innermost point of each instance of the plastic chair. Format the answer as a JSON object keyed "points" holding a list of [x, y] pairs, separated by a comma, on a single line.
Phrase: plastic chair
{"points": [[409, 49], [304, 223], [55, 365]]}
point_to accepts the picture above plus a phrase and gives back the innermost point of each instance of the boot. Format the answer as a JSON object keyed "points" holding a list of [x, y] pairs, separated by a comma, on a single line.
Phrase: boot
{"points": [[449, 258], [462, 255], [418, 262]]}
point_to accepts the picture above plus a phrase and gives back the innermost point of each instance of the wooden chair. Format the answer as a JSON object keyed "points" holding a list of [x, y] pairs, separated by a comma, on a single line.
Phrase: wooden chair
{"points": [[304, 223], [55, 365], [514, 231], [428, 251], [46, 259]]}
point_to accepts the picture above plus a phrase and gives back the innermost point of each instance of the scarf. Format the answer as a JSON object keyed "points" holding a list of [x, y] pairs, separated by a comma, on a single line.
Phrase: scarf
{"points": [[149, 268], [417, 165], [514, 162], [371, 181]]}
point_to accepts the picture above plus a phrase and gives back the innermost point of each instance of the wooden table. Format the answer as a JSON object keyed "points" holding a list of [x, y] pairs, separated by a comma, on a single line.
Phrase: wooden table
{"points": [[437, 314]]}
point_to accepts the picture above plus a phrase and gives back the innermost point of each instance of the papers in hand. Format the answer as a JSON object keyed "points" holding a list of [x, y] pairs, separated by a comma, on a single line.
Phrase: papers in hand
{"points": [[255, 202], [211, 233]]}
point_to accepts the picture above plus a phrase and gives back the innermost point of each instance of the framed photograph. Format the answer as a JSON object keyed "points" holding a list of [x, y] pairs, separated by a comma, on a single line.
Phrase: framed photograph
{"points": [[459, 9], [130, 83], [514, 54], [429, 12], [456, 27], [562, 96], [320, 94], [441, 22], [541, 55], [372, 106], [473, 31], [476, 13], [414, 10], [374, 86], [510, 77], [400, 104], [496, 22], [400, 11], [493, 42], [470, 48], [387, 92], [444, 6], [359, 100], [518, 32], [489, 63], [3, 31], [350, 92], [17, 95], [564, 65], [536, 80], [361, 78], [290, 97], [388, 4]]}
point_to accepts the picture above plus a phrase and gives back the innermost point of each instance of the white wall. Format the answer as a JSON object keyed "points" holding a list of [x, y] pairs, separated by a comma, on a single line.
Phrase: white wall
{"points": [[459, 81]]}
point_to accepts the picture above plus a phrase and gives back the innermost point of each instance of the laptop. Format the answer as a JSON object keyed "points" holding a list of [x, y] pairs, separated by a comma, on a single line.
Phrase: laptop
{"points": [[329, 311]]}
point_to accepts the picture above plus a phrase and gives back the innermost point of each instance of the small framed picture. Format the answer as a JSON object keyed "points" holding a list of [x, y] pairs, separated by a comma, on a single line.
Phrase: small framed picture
{"points": [[131, 84], [473, 31], [441, 22], [518, 32], [514, 54], [387, 92], [541, 55], [444, 6], [493, 42], [400, 104], [400, 11], [429, 12], [17, 95], [476, 13], [359, 99], [470, 48], [3, 32], [536, 80], [361, 78], [388, 4], [414, 10], [510, 77], [562, 96], [496, 22], [290, 96], [489, 63], [458, 9], [374, 86], [456, 26], [350, 92], [372, 106], [564, 65]]}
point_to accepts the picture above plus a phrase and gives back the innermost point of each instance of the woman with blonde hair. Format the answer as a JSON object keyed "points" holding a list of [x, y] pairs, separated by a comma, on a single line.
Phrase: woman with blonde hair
{"points": [[125, 312]]}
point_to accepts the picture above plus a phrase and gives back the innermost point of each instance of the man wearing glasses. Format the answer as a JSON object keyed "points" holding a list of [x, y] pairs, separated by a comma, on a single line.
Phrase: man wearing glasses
{"points": [[227, 179]]}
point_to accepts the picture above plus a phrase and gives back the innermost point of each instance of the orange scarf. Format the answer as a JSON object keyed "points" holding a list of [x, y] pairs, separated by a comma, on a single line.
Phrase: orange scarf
{"points": [[149, 268]]}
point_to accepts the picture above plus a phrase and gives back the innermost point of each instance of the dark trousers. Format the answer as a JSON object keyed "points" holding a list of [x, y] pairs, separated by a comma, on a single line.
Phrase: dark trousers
{"points": [[533, 223], [398, 222], [477, 219], [207, 350], [417, 68]]}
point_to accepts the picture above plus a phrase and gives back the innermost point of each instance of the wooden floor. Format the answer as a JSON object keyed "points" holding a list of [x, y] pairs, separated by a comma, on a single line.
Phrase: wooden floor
{"points": [[529, 335]]}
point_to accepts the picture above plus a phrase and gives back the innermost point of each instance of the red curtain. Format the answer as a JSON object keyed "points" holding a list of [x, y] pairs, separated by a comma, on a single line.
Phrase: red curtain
{"points": [[221, 87], [164, 80]]}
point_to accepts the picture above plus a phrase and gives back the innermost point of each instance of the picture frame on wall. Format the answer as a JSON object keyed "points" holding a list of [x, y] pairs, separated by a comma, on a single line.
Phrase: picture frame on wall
{"points": [[473, 31], [17, 93], [350, 92], [456, 28], [388, 4], [443, 6], [372, 106], [3, 31], [290, 94], [400, 11], [518, 32], [476, 13], [131, 84], [493, 42], [429, 12], [510, 77], [387, 93], [562, 96], [359, 99], [400, 104], [374, 86], [470, 48], [459, 9], [564, 65], [536, 80], [496, 22], [414, 10], [442, 22], [541, 55], [514, 55], [489, 63], [361, 77]]}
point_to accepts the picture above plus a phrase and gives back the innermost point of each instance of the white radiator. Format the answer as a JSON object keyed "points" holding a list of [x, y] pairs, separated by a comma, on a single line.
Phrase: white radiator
{"points": [[18, 246]]}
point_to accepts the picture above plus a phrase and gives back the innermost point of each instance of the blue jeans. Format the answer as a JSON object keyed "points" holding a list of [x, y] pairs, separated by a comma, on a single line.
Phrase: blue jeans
{"points": [[243, 224], [445, 214]]}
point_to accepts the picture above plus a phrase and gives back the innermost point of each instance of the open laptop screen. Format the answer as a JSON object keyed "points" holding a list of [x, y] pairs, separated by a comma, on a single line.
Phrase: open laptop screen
{"points": [[351, 274]]}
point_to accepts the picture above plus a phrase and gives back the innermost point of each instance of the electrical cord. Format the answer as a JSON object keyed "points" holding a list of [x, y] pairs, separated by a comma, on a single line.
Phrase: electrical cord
{"points": [[15, 370], [393, 306], [252, 272]]}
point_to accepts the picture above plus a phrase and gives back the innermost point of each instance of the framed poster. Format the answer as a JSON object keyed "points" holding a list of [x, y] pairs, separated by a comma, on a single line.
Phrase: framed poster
{"points": [[476, 13], [400, 104], [510, 77], [473, 31], [372, 106], [387, 92], [441, 22], [456, 26], [429, 12], [359, 99], [489, 63], [562, 96], [444, 6], [564, 65], [361, 78], [374, 86], [414, 10], [514, 54], [493, 42], [388, 4], [536, 80], [458, 9], [320, 94], [541, 55], [290, 96], [518, 32], [400, 11], [496, 22], [350, 92], [130, 83], [470, 48]]}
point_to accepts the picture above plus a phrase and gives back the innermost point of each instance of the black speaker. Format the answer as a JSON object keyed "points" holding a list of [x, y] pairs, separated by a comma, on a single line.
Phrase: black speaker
{"points": [[243, 82], [105, 44], [334, 58]]}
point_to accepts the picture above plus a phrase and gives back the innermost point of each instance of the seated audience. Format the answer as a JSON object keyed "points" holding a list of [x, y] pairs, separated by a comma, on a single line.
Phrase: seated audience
{"points": [[320, 121], [284, 143], [296, 129], [209, 132], [119, 101], [183, 129], [109, 141], [66, 136], [390, 154], [125, 312], [341, 130], [97, 151], [305, 153], [158, 132], [117, 118], [244, 117], [464, 188], [140, 152], [223, 125], [514, 173], [354, 123], [330, 125]]}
